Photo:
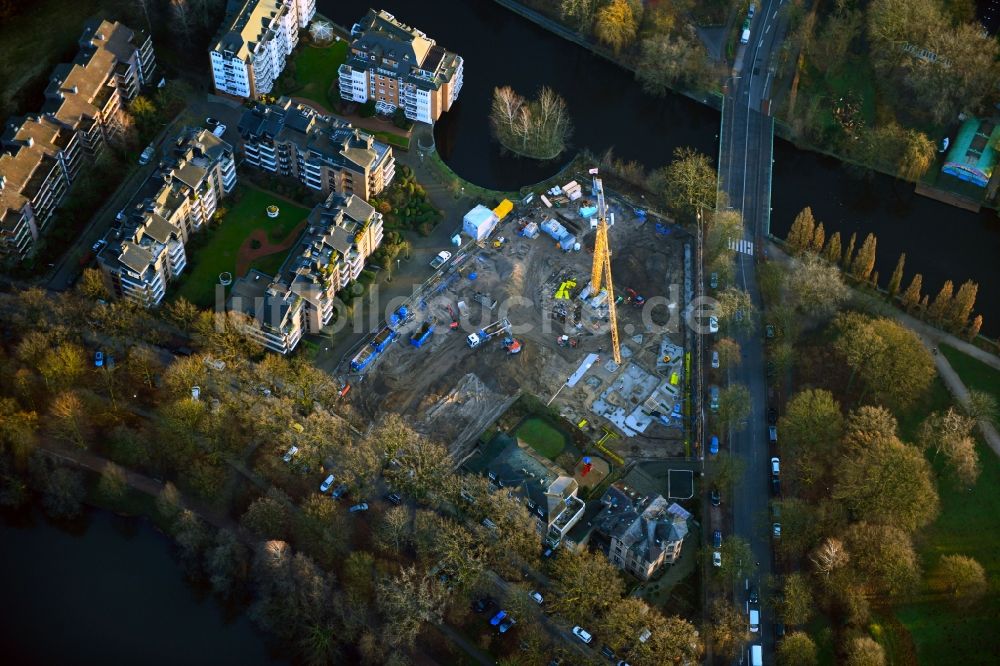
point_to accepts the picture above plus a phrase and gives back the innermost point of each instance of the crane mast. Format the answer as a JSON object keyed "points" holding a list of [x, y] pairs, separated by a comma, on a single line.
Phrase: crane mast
{"points": [[601, 271]]}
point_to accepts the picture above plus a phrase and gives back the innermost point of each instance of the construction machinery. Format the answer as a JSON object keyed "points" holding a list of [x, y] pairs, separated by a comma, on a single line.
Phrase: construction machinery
{"points": [[566, 341], [512, 345], [485, 334], [422, 334], [454, 318], [601, 272]]}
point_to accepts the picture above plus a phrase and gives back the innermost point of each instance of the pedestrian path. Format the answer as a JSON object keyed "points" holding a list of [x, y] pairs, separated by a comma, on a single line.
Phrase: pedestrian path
{"points": [[744, 246]]}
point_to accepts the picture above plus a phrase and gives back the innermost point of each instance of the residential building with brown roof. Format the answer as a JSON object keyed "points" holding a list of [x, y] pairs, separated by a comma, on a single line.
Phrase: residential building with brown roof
{"points": [[322, 152], [397, 66], [340, 235], [143, 255], [254, 42], [83, 110]]}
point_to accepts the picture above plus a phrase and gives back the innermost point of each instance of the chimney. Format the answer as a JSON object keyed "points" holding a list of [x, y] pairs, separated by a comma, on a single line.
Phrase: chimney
{"points": [[30, 142]]}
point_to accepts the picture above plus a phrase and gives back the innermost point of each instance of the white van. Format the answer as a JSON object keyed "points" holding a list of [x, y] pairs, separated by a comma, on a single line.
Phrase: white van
{"points": [[756, 655], [745, 37], [754, 620]]}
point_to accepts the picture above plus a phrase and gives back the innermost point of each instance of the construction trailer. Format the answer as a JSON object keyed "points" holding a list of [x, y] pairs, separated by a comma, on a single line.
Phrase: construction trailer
{"points": [[485, 334], [422, 334]]}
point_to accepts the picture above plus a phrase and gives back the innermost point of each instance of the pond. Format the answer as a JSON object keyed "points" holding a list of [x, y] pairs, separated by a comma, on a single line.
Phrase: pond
{"points": [[106, 590]]}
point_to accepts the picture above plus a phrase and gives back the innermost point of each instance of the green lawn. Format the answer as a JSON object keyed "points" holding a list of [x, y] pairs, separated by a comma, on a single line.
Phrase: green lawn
{"points": [[542, 436], [390, 138], [316, 72], [974, 373], [219, 251], [969, 524]]}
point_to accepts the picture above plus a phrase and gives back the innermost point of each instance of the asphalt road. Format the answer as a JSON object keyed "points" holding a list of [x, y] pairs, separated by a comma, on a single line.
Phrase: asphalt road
{"points": [[745, 155]]}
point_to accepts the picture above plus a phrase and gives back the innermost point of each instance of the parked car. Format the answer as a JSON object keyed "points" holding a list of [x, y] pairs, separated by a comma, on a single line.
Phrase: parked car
{"points": [[716, 559], [98, 359], [327, 482], [779, 630], [290, 454], [495, 620], [717, 539], [775, 466], [713, 398], [769, 331], [715, 496], [98, 246], [219, 130], [713, 445], [745, 35], [484, 604], [772, 434], [715, 359], [582, 634], [505, 626], [442, 257], [713, 324], [772, 416], [753, 595], [537, 597], [713, 281], [608, 652], [339, 491], [147, 154], [394, 498], [776, 486], [363, 506], [754, 620], [776, 530], [751, 11]]}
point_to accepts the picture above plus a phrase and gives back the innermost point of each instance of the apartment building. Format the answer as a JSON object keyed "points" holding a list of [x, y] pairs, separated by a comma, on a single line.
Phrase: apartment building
{"points": [[397, 66], [254, 43], [83, 111], [143, 255], [340, 235], [645, 532], [322, 152]]}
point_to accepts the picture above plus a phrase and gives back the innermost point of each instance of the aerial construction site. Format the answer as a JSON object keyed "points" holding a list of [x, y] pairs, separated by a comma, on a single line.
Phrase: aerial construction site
{"points": [[515, 311]]}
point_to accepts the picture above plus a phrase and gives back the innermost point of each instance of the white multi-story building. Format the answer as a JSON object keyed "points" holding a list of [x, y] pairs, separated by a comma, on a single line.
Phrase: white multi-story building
{"points": [[147, 252], [340, 235], [83, 110], [397, 66], [323, 153], [254, 43]]}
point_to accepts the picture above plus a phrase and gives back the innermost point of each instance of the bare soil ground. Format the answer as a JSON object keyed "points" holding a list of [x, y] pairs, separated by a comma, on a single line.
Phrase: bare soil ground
{"points": [[454, 392]]}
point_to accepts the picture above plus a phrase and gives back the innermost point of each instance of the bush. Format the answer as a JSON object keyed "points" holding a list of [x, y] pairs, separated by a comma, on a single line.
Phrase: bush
{"points": [[367, 109]]}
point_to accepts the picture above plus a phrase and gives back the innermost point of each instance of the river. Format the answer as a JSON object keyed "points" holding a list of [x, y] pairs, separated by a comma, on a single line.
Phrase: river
{"points": [[610, 110], [106, 590]]}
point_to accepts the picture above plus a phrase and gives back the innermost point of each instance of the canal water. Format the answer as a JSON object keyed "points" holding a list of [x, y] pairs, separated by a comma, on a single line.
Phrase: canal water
{"points": [[107, 591], [610, 110]]}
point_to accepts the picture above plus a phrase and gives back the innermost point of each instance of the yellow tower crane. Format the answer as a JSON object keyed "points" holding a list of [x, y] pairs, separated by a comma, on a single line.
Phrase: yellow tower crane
{"points": [[602, 267]]}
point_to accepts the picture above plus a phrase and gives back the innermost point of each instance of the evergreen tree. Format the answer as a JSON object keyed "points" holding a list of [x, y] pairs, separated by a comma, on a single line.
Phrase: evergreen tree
{"points": [[961, 307], [897, 276], [922, 308], [974, 327], [942, 303], [833, 249], [874, 279], [911, 297], [863, 264], [818, 239], [800, 236], [849, 253]]}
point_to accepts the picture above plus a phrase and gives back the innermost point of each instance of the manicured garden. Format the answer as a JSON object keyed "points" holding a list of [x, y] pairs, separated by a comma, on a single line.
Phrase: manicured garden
{"points": [[216, 250], [542, 436], [314, 74]]}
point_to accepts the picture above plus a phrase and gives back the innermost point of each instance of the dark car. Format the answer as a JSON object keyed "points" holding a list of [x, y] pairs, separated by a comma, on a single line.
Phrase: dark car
{"points": [[607, 652], [775, 486], [753, 595], [394, 498], [779, 630], [484, 604], [717, 539], [506, 625], [715, 496], [772, 416]]}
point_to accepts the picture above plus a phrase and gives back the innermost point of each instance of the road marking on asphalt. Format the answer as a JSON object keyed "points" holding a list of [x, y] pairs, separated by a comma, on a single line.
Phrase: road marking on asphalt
{"points": [[744, 246]]}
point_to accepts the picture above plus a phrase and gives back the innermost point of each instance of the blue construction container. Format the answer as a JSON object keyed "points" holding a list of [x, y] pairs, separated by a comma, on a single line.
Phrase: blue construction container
{"points": [[422, 334], [383, 339], [363, 358]]}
